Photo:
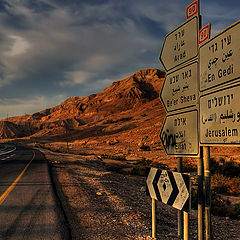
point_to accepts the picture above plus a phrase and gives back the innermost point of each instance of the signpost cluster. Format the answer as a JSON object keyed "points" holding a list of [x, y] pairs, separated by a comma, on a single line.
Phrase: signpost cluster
{"points": [[201, 96], [179, 93]]}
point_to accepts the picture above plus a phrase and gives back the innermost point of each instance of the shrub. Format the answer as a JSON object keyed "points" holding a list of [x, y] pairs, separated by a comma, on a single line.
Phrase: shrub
{"points": [[234, 186], [226, 168], [219, 183], [223, 184], [237, 209], [189, 167]]}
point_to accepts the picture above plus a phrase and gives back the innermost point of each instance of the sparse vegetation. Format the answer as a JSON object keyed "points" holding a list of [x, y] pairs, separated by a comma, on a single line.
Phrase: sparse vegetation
{"points": [[225, 185], [123, 119], [189, 167], [225, 180], [226, 168], [225, 176], [113, 157]]}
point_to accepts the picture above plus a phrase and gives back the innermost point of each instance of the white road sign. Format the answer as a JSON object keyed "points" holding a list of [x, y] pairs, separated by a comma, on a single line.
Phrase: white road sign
{"points": [[183, 194], [164, 186], [181, 45], [180, 88], [179, 134], [220, 117], [171, 188], [220, 58], [150, 178]]}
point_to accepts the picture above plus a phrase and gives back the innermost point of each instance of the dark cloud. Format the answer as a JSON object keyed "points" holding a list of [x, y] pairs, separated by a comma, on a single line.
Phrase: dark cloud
{"points": [[77, 47]]}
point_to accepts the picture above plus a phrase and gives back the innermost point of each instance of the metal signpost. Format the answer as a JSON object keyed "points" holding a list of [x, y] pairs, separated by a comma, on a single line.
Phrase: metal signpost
{"points": [[171, 188], [179, 57], [201, 96]]}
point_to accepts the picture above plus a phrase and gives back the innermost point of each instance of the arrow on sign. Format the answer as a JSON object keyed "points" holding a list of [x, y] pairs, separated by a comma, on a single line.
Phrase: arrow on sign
{"points": [[182, 182], [167, 187], [180, 88], [171, 188], [181, 45], [150, 185], [179, 134]]}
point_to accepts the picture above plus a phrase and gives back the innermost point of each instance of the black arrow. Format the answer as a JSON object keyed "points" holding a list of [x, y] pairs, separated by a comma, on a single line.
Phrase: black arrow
{"points": [[175, 190]]}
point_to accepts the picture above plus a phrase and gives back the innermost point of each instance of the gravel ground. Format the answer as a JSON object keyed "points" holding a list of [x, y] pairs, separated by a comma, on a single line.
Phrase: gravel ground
{"points": [[100, 204]]}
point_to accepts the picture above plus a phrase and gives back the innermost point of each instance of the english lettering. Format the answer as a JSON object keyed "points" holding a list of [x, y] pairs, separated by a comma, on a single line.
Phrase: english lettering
{"points": [[180, 56], [225, 72], [226, 132]]}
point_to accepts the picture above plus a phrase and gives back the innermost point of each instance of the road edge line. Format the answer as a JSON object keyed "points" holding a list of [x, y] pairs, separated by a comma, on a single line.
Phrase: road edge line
{"points": [[8, 191]]}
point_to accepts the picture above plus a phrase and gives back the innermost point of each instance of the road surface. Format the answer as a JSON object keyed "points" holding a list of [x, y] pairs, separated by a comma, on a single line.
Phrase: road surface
{"points": [[29, 208]]}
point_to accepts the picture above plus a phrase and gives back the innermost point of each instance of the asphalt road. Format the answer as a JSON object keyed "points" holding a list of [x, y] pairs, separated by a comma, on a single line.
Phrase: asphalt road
{"points": [[29, 208]]}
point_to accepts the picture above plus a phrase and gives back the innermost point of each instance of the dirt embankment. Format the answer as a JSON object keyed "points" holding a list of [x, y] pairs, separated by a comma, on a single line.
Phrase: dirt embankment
{"points": [[101, 204]]}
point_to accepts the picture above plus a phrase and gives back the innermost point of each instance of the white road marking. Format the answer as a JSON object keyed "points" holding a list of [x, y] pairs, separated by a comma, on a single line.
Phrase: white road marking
{"points": [[3, 159]]}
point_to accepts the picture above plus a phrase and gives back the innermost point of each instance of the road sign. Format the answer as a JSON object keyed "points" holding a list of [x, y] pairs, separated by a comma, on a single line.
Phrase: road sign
{"points": [[220, 58], [180, 88], [179, 134], [171, 188], [181, 45], [192, 9], [204, 33], [150, 185], [220, 117]]}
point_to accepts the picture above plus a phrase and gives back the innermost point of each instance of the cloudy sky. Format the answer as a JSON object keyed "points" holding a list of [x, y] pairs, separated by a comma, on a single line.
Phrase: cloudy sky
{"points": [[54, 49]]}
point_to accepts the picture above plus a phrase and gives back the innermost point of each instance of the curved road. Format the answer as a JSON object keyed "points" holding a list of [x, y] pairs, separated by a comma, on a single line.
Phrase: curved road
{"points": [[29, 208]]}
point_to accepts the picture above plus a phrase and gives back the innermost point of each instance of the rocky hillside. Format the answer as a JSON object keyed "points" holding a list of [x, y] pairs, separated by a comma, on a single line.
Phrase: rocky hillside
{"points": [[129, 94]]}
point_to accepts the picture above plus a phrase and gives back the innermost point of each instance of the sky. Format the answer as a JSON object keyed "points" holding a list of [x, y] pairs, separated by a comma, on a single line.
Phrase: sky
{"points": [[54, 49]]}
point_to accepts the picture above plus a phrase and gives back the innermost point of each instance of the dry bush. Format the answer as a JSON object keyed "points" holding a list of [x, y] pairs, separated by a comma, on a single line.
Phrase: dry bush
{"points": [[223, 184]]}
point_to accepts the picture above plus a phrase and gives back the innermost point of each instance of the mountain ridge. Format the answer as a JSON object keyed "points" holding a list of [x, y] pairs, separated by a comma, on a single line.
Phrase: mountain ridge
{"points": [[123, 95]]}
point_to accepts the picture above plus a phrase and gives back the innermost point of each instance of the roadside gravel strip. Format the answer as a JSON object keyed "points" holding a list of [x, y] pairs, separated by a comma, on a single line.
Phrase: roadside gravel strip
{"points": [[104, 205]]}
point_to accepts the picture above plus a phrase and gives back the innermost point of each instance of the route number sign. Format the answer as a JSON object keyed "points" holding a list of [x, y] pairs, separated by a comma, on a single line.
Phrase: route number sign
{"points": [[192, 10], [204, 34], [220, 58]]}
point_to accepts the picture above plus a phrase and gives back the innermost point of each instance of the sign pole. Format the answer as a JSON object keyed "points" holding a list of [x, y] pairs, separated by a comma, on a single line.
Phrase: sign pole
{"points": [[186, 228], [153, 218], [200, 195], [172, 188], [180, 212], [207, 177]]}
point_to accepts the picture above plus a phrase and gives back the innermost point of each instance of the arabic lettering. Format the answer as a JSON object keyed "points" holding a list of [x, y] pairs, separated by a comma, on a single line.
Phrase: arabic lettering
{"points": [[230, 115], [176, 90], [185, 88], [212, 62], [226, 56], [212, 118], [179, 45]]}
